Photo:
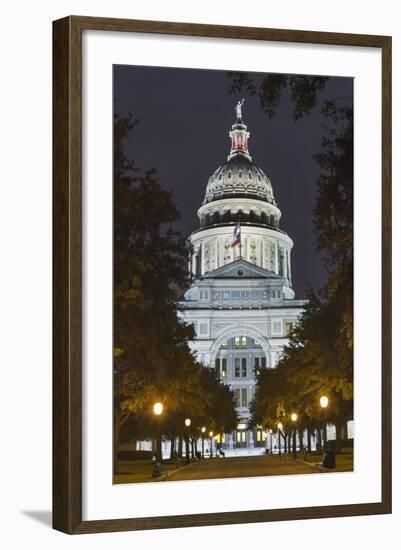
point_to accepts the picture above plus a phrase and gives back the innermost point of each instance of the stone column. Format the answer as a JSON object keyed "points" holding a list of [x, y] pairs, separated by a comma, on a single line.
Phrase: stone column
{"points": [[289, 267], [251, 442], [285, 263], [201, 259], [277, 258]]}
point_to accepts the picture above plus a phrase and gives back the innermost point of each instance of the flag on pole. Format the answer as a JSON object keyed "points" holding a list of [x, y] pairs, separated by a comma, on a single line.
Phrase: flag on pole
{"points": [[237, 235]]}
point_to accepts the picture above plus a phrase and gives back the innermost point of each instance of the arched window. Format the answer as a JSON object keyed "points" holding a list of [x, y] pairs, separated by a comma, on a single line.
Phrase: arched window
{"points": [[263, 217], [216, 217]]}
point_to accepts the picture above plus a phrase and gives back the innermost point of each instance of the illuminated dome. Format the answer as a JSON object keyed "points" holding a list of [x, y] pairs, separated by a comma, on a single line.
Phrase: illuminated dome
{"points": [[239, 177], [239, 190], [240, 195]]}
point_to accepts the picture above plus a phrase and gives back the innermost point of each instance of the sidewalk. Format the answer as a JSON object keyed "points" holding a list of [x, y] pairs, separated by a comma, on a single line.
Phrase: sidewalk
{"points": [[140, 471]]}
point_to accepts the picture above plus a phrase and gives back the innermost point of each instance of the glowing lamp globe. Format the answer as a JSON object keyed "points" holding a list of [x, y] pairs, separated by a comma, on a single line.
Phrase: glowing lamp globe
{"points": [[158, 408], [324, 401]]}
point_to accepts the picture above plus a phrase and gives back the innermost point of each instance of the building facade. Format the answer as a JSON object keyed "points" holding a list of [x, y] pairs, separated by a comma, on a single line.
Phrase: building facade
{"points": [[241, 300]]}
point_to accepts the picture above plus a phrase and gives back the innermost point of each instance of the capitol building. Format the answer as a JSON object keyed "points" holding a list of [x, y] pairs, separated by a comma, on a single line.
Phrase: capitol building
{"points": [[241, 301]]}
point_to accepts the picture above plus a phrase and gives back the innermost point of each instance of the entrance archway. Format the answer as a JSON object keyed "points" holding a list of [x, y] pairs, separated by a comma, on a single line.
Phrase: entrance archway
{"points": [[237, 356]]}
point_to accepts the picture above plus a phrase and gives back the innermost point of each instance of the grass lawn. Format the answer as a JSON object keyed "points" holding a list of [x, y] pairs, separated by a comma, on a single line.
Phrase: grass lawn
{"points": [[344, 460], [134, 471]]}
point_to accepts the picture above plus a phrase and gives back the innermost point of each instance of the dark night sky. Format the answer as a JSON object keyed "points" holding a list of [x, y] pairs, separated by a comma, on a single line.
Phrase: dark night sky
{"points": [[185, 116]]}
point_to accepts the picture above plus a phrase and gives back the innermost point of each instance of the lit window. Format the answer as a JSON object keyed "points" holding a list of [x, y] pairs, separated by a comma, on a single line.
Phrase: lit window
{"points": [[244, 400], [243, 368], [217, 366], [243, 341], [224, 344], [237, 371], [257, 343], [260, 435], [237, 341], [288, 328], [224, 368]]}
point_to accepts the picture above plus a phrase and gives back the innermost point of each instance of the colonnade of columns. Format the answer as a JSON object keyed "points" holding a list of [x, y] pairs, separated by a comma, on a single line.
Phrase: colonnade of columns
{"points": [[216, 252]]}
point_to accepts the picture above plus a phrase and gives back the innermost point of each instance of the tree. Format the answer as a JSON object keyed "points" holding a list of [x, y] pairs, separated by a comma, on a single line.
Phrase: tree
{"points": [[319, 357], [150, 343], [152, 359]]}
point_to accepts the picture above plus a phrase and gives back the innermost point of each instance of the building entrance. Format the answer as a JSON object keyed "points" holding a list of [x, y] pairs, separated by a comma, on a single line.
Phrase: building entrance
{"points": [[240, 439], [238, 364]]}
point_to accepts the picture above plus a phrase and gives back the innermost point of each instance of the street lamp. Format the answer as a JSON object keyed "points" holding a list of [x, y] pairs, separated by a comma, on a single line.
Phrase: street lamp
{"points": [[324, 401], [280, 428], [187, 424], [271, 441], [211, 444], [157, 410], [203, 430], [294, 418]]}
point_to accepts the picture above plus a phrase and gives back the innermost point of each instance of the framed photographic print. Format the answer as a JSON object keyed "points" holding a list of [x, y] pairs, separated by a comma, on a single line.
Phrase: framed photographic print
{"points": [[222, 273]]}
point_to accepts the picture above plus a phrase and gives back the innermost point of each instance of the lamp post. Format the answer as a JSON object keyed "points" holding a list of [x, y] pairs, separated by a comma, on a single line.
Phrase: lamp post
{"points": [[271, 441], [157, 411], [279, 427], [324, 401], [187, 425], [294, 418], [211, 444], [203, 430]]}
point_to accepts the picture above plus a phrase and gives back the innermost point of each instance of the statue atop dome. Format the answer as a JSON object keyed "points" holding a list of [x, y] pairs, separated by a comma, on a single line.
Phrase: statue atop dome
{"points": [[238, 109]]}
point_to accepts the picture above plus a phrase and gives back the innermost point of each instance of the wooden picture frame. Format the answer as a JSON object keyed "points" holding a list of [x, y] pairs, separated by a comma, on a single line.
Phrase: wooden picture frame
{"points": [[67, 273]]}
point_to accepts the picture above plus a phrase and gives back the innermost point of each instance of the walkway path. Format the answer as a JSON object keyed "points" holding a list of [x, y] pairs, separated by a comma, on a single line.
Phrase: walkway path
{"points": [[242, 467]]}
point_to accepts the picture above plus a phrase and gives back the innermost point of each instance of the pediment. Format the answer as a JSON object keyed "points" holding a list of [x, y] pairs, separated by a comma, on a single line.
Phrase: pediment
{"points": [[240, 269]]}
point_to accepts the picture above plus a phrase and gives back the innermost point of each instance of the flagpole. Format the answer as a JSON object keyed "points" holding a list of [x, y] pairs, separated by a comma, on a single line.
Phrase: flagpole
{"points": [[240, 244]]}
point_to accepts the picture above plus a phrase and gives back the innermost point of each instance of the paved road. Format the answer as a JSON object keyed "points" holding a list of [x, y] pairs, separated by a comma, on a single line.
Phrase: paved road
{"points": [[242, 467]]}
